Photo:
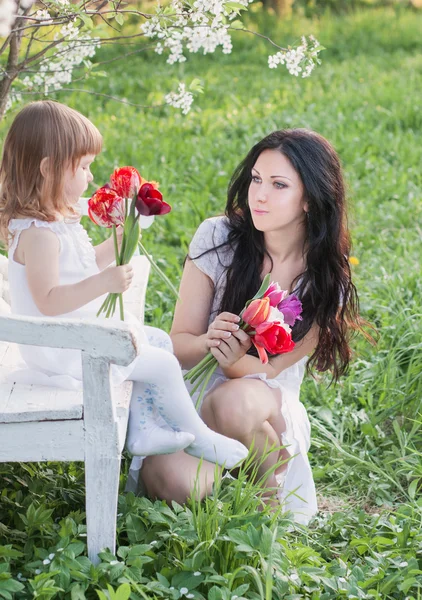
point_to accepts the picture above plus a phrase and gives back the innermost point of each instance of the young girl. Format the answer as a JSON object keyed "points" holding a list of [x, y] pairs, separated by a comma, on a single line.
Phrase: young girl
{"points": [[55, 271], [285, 215]]}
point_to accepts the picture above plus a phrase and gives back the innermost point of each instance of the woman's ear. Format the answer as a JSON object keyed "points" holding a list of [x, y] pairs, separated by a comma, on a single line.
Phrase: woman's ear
{"points": [[45, 166], [306, 207]]}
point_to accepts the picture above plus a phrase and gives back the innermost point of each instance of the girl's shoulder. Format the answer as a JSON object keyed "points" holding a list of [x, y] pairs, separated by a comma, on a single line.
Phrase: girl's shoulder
{"points": [[19, 225]]}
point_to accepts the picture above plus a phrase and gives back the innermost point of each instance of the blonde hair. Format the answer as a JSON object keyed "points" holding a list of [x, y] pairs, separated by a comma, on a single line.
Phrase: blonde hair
{"points": [[42, 129]]}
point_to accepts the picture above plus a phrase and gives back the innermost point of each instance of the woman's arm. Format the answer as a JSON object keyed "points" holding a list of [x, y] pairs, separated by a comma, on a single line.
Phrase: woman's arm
{"points": [[190, 323], [40, 250], [192, 337], [104, 252], [250, 364]]}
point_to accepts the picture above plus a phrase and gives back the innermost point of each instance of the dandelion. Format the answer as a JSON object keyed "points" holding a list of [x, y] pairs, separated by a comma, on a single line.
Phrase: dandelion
{"points": [[197, 573], [183, 591], [46, 561], [51, 556], [353, 260], [403, 564]]}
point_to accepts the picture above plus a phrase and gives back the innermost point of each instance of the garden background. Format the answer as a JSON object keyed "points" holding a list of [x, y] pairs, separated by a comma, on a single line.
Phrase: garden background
{"points": [[366, 449]]}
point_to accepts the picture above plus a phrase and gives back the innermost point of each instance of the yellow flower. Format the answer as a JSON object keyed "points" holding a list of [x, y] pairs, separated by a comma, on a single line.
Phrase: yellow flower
{"points": [[353, 260]]}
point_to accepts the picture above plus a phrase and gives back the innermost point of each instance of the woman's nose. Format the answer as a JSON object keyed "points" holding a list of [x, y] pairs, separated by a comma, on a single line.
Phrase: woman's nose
{"points": [[262, 194]]}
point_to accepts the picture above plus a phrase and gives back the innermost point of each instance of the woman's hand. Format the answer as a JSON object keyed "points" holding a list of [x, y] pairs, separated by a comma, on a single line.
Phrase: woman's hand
{"points": [[226, 342]]}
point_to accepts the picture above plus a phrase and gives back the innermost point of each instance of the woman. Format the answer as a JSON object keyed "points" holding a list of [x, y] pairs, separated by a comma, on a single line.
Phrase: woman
{"points": [[285, 215]]}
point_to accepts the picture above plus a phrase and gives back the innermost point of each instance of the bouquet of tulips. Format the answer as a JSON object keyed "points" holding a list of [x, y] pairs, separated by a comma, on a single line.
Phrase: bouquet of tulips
{"points": [[268, 319], [121, 203]]}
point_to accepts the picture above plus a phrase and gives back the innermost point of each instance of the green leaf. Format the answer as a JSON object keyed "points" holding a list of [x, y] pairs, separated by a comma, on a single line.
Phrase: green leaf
{"points": [[264, 285], [123, 592], [87, 21], [196, 86], [412, 488], [120, 18], [77, 593], [234, 6]]}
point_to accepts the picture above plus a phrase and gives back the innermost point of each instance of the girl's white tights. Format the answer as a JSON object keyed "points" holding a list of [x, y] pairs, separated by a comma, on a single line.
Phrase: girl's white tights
{"points": [[165, 395]]}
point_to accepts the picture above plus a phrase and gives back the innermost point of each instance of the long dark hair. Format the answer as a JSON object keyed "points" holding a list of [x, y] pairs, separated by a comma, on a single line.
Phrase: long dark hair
{"points": [[325, 288]]}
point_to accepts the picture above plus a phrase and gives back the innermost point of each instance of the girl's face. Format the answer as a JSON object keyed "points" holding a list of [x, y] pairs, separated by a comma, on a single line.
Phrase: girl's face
{"points": [[275, 194], [76, 182]]}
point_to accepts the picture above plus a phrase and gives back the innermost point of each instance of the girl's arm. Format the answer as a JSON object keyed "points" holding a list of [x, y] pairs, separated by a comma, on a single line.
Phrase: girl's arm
{"points": [[104, 252], [39, 250], [250, 364]]}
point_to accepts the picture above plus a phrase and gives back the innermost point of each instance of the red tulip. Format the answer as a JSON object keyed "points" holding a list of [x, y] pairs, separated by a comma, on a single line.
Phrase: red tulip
{"points": [[106, 208], [272, 337], [126, 181], [150, 201], [257, 312]]}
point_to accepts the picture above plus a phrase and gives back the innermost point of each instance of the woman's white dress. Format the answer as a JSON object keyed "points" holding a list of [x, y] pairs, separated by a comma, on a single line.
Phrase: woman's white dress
{"points": [[297, 491]]}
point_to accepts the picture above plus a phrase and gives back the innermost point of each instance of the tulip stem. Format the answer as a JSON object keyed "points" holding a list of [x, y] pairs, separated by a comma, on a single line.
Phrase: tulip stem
{"points": [[158, 270], [200, 371], [116, 253], [204, 386], [199, 367]]}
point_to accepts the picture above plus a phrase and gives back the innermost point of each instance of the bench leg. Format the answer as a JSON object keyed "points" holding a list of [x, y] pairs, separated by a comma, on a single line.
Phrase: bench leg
{"points": [[102, 488]]}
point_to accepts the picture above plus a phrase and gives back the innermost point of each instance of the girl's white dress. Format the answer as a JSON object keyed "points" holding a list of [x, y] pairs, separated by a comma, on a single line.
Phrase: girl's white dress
{"points": [[297, 489], [52, 366]]}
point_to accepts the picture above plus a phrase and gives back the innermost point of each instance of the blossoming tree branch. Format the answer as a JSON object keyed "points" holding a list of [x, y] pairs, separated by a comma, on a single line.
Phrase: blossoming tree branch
{"points": [[45, 45]]}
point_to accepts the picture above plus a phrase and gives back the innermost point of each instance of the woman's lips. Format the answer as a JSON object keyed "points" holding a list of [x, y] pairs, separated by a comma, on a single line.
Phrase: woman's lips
{"points": [[260, 212]]}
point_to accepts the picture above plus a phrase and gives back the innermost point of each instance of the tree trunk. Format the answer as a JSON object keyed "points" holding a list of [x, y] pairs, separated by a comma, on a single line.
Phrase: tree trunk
{"points": [[12, 67], [282, 8]]}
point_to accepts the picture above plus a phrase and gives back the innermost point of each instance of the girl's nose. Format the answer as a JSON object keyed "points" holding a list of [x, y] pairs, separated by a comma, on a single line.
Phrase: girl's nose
{"points": [[90, 177]]}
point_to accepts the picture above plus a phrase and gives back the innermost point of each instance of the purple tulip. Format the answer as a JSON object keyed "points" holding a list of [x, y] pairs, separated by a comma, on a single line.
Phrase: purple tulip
{"points": [[291, 307]]}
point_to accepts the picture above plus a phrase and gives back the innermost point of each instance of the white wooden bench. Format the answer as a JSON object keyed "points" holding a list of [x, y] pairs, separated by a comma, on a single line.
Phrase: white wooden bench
{"points": [[39, 423]]}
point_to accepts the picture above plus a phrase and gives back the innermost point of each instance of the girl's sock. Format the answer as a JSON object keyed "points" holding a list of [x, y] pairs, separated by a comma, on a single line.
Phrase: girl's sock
{"points": [[145, 437], [168, 394]]}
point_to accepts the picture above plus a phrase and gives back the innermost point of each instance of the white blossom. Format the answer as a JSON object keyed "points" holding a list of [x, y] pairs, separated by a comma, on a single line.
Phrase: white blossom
{"points": [[7, 16], [300, 60], [181, 99], [43, 15]]}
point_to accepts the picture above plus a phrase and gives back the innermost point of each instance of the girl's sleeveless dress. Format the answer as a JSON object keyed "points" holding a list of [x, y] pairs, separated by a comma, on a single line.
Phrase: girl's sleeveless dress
{"points": [[52, 366], [297, 489]]}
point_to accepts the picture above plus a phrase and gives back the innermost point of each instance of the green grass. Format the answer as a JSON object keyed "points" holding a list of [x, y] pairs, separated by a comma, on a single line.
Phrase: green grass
{"points": [[367, 436]]}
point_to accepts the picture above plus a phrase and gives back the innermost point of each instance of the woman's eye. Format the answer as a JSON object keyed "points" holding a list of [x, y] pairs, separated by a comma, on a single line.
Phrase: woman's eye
{"points": [[279, 185], [255, 179]]}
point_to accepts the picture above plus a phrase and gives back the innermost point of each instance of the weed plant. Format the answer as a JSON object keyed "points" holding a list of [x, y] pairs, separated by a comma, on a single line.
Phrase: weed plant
{"points": [[366, 448]]}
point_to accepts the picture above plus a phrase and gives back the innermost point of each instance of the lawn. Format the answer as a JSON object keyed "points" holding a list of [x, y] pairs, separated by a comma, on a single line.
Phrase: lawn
{"points": [[366, 448]]}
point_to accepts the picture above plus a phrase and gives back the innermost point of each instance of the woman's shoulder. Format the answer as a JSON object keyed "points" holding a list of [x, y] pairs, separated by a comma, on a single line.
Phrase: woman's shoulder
{"points": [[211, 233]]}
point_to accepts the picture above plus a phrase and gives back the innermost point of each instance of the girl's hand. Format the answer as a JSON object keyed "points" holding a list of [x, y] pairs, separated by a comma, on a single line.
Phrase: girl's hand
{"points": [[117, 279], [226, 342]]}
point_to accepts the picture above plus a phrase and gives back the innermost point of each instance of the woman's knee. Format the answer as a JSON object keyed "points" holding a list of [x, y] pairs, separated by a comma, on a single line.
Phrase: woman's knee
{"points": [[233, 408], [162, 482], [176, 477]]}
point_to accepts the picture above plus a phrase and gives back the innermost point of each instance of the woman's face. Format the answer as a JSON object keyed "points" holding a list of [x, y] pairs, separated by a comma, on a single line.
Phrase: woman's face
{"points": [[275, 194]]}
